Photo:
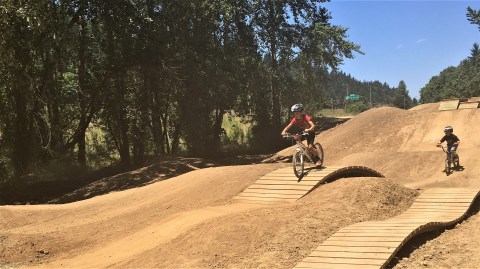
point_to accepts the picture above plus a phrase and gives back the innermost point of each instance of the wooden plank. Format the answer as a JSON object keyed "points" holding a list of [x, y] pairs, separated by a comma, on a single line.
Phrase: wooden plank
{"points": [[449, 190], [468, 105], [278, 187], [351, 255], [449, 104], [395, 222], [292, 175], [446, 196], [436, 205], [438, 209], [265, 199], [307, 265], [298, 192], [323, 248], [360, 244], [437, 193], [282, 182], [280, 177], [368, 239], [346, 261], [351, 228], [257, 202], [457, 201], [340, 265], [432, 212], [446, 199], [372, 234], [277, 195]]}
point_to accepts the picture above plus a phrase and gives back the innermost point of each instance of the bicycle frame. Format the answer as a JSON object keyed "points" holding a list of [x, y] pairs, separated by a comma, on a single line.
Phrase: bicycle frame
{"points": [[449, 154], [449, 160], [302, 148]]}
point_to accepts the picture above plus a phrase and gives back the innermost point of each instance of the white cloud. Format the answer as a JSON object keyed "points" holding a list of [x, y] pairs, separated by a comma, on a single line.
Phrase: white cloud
{"points": [[421, 40]]}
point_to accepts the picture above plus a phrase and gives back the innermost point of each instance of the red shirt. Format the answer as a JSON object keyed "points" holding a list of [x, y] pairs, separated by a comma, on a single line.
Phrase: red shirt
{"points": [[302, 121]]}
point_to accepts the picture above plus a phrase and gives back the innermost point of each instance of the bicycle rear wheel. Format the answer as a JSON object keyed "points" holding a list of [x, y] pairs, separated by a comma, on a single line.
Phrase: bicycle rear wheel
{"points": [[448, 166], [298, 165], [320, 152]]}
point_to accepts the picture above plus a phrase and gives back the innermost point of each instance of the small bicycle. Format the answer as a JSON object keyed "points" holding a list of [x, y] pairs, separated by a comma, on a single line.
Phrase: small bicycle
{"points": [[302, 151], [451, 163]]}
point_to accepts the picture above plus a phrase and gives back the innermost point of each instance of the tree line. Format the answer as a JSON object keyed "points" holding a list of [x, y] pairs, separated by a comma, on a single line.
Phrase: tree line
{"points": [[136, 78], [83, 80], [462, 81]]}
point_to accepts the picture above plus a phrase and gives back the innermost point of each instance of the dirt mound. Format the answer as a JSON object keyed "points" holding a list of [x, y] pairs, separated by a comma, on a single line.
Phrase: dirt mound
{"points": [[400, 143], [279, 237]]}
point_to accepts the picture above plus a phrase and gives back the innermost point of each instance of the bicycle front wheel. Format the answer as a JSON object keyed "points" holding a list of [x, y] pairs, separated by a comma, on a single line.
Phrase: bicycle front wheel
{"points": [[321, 155], [298, 165]]}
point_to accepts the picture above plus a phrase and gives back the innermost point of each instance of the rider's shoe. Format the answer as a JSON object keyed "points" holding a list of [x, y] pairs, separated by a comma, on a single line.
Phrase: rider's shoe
{"points": [[318, 163]]}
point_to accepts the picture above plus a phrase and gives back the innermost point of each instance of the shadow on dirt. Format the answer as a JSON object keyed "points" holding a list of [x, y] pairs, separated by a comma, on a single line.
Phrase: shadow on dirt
{"points": [[112, 179]]}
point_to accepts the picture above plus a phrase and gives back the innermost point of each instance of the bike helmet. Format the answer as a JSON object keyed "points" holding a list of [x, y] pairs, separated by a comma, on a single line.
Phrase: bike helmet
{"points": [[297, 108], [448, 129]]}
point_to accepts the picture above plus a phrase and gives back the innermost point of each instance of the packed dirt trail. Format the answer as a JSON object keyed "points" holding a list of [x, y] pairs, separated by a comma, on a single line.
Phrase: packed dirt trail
{"points": [[191, 221]]}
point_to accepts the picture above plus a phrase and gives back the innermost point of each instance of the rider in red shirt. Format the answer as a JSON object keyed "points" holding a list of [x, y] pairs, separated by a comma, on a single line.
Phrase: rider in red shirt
{"points": [[304, 122]]}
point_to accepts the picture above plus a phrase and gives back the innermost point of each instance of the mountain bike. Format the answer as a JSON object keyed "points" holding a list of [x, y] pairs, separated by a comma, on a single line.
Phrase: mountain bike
{"points": [[451, 162], [302, 152]]}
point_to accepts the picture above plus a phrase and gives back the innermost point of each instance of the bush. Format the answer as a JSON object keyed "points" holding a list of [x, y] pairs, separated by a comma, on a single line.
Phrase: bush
{"points": [[357, 107]]}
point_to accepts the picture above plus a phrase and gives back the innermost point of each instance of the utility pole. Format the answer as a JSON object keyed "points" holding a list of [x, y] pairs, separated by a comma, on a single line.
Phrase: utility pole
{"points": [[347, 87], [371, 96], [333, 110], [345, 99]]}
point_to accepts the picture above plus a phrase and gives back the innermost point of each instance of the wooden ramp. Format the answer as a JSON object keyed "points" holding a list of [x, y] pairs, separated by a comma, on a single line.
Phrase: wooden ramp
{"points": [[282, 186], [373, 244]]}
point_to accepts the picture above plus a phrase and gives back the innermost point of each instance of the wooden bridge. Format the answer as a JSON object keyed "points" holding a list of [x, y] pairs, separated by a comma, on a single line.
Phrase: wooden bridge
{"points": [[283, 186], [373, 244]]}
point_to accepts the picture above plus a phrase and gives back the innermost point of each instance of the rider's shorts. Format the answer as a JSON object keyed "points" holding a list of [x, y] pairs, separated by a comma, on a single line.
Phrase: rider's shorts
{"points": [[452, 148], [310, 138]]}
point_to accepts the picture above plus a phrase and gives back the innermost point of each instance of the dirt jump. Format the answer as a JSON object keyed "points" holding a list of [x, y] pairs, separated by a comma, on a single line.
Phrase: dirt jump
{"points": [[195, 220]]}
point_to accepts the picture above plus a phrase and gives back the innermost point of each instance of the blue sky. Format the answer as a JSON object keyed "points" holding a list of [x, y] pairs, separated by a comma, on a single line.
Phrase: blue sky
{"points": [[405, 40]]}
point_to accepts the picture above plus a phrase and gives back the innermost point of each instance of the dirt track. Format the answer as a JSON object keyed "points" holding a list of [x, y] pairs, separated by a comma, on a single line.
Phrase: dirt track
{"points": [[190, 221]]}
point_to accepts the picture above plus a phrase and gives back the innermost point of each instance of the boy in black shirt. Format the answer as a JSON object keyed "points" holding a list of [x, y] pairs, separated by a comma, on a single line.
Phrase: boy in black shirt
{"points": [[452, 141]]}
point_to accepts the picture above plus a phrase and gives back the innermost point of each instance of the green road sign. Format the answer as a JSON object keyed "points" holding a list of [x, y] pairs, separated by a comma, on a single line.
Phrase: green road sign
{"points": [[353, 97]]}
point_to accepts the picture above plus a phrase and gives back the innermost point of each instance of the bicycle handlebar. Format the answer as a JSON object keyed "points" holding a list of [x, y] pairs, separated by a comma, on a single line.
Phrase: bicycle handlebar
{"points": [[441, 146], [295, 136]]}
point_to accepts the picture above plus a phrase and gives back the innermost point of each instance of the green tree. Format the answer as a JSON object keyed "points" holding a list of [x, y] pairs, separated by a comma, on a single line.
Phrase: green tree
{"points": [[401, 98], [473, 16], [284, 27]]}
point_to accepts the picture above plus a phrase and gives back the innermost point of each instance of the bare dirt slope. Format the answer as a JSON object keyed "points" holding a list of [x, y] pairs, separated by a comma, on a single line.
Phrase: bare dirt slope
{"points": [[190, 221]]}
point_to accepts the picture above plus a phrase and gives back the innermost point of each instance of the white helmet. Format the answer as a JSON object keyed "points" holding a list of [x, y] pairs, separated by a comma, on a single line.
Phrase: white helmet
{"points": [[297, 108], [448, 129]]}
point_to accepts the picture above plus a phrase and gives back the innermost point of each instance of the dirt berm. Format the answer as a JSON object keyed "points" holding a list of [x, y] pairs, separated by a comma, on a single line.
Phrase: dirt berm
{"points": [[191, 221]]}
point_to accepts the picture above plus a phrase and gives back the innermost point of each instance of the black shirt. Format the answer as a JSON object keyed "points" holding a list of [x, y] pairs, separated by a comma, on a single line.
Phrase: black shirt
{"points": [[451, 139]]}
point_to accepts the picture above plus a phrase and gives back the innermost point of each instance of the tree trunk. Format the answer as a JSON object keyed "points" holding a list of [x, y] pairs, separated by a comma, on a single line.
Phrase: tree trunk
{"points": [[82, 83], [217, 128], [157, 130], [21, 151]]}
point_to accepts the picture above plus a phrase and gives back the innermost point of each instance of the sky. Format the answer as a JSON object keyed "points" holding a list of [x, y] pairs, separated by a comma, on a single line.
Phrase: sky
{"points": [[405, 40]]}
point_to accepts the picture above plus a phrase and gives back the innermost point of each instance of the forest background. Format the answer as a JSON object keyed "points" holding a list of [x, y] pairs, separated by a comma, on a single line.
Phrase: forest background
{"points": [[89, 84]]}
